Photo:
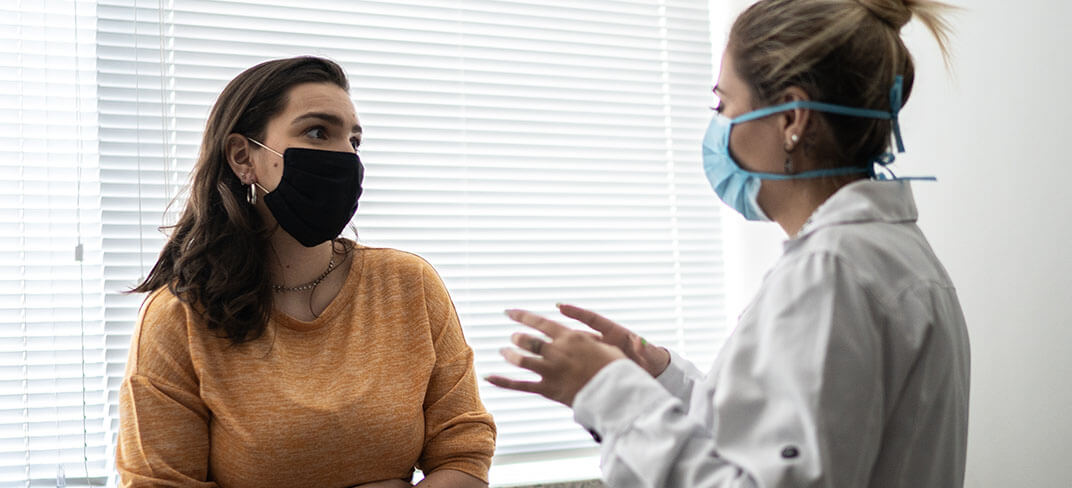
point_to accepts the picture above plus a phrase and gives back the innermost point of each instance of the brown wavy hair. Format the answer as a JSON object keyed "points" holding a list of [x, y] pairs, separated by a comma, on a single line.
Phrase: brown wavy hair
{"points": [[845, 52], [214, 259]]}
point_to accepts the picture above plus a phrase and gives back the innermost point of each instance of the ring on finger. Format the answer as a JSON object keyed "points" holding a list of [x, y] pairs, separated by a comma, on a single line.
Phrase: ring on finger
{"points": [[537, 346]]}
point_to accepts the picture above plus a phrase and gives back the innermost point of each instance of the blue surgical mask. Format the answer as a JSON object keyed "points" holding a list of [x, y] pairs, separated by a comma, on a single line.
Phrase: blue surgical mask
{"points": [[739, 188]]}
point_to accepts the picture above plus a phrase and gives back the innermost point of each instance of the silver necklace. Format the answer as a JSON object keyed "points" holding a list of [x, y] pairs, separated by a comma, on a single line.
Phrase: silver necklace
{"points": [[310, 285]]}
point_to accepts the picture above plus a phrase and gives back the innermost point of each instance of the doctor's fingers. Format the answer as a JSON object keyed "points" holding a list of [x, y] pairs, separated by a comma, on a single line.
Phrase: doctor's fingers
{"points": [[611, 332], [632, 345], [529, 343], [519, 385], [549, 327], [592, 319], [535, 364]]}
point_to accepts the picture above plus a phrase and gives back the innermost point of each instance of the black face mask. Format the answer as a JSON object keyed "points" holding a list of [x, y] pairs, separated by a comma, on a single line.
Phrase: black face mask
{"points": [[317, 195]]}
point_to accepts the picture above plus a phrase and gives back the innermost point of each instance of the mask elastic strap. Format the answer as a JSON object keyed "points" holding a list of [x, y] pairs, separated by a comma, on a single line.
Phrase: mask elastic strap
{"points": [[258, 185], [266, 147], [896, 99], [896, 103], [887, 174], [815, 173], [820, 106]]}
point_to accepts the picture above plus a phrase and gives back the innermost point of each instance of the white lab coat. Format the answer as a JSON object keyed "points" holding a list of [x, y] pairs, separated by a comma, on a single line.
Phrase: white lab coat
{"points": [[848, 369]]}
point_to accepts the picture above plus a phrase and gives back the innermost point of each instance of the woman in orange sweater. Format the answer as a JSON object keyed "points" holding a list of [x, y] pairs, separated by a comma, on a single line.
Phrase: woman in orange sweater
{"points": [[271, 352]]}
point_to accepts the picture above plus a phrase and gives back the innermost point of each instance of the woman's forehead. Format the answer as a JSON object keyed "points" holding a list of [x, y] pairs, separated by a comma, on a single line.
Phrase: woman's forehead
{"points": [[320, 97]]}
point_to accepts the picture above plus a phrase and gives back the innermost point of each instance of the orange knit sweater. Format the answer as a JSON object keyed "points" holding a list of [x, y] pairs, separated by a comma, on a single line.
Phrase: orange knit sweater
{"points": [[381, 382]]}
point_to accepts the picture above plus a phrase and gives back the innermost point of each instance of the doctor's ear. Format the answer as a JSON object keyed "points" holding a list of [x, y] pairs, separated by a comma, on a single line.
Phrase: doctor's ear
{"points": [[794, 122], [238, 153]]}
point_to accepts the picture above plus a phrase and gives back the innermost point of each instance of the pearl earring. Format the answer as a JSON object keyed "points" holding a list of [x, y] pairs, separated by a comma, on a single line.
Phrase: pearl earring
{"points": [[793, 139]]}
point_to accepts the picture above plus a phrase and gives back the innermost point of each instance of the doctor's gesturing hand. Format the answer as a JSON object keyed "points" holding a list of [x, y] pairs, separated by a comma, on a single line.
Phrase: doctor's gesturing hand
{"points": [[572, 357], [652, 358]]}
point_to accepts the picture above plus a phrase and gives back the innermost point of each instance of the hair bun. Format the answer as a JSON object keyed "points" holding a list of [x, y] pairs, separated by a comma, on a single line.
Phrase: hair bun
{"points": [[896, 13]]}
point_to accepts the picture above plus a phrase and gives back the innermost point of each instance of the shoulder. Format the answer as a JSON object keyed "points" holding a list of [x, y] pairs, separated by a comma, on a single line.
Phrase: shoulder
{"points": [[852, 244], [386, 259], [163, 315], [804, 287], [397, 268], [162, 332], [410, 278], [812, 307], [162, 303], [886, 258], [814, 293], [812, 267]]}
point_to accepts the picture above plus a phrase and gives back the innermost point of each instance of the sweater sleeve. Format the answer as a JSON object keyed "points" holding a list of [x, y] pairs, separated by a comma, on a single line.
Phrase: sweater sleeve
{"points": [[163, 423], [459, 432]]}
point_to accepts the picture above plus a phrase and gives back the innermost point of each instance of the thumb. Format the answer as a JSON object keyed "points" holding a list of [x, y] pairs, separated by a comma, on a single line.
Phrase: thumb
{"points": [[638, 345]]}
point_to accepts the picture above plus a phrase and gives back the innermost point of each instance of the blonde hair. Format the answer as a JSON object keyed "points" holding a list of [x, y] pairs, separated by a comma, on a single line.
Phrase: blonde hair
{"points": [[846, 52]]}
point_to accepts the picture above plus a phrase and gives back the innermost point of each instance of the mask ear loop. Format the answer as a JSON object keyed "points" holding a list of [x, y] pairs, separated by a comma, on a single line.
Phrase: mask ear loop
{"points": [[252, 196], [266, 147]]}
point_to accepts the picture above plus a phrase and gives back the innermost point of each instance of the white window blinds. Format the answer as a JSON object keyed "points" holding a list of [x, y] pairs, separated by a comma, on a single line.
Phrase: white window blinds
{"points": [[51, 339], [533, 151]]}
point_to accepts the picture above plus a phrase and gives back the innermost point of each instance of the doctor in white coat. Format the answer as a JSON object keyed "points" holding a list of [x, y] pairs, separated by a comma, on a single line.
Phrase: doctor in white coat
{"points": [[850, 367]]}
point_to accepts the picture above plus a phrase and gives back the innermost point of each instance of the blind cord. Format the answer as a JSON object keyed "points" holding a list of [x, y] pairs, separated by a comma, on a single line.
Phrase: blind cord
{"points": [[79, 253], [22, 247]]}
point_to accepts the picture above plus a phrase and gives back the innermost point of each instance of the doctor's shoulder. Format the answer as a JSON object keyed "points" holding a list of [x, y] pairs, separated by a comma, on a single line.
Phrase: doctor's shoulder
{"points": [[883, 256], [828, 269]]}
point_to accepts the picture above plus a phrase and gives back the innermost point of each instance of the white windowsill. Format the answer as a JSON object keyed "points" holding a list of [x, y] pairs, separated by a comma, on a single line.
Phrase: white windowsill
{"points": [[542, 472], [526, 473]]}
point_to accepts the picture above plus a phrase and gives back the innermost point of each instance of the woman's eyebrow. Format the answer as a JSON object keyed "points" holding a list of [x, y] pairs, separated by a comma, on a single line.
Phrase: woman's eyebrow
{"points": [[326, 117]]}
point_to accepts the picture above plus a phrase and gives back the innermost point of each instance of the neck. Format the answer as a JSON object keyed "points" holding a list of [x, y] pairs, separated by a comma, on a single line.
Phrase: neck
{"points": [[793, 219], [801, 198], [293, 264]]}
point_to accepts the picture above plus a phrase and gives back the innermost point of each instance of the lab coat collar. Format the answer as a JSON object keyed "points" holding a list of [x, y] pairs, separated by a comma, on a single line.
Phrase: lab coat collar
{"points": [[863, 201]]}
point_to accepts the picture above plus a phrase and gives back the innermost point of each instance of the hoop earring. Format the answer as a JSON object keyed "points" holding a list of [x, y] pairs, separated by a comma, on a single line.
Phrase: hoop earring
{"points": [[251, 197]]}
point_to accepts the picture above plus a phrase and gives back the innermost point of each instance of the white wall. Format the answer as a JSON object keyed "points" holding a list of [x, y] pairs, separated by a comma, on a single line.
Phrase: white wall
{"points": [[997, 133]]}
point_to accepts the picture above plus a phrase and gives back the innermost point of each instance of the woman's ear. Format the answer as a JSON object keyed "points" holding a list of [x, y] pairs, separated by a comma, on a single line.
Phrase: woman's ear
{"points": [[236, 149], [794, 122]]}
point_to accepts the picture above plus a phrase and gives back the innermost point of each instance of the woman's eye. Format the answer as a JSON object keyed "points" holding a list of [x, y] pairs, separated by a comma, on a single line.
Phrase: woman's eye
{"points": [[355, 142], [317, 133]]}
